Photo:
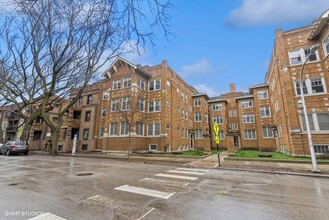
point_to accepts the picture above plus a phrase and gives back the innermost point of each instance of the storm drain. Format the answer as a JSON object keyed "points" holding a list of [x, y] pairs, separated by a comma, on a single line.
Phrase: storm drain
{"points": [[84, 174], [12, 184]]}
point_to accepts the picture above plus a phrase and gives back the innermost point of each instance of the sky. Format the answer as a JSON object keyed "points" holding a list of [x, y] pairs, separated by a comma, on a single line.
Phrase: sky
{"points": [[218, 42]]}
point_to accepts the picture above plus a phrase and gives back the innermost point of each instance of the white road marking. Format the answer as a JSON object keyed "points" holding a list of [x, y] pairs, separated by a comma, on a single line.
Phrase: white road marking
{"points": [[185, 172], [164, 182], [47, 216], [177, 176], [146, 214], [192, 169], [144, 191]]}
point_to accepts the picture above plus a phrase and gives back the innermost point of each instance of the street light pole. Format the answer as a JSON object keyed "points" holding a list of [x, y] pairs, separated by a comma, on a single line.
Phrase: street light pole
{"points": [[315, 169]]}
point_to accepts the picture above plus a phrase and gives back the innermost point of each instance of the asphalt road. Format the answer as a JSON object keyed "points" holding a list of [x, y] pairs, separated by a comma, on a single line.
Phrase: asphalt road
{"points": [[89, 188]]}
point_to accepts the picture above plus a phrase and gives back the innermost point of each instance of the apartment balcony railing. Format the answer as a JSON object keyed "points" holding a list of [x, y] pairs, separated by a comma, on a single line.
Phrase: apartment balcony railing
{"points": [[13, 118], [38, 126], [70, 122]]}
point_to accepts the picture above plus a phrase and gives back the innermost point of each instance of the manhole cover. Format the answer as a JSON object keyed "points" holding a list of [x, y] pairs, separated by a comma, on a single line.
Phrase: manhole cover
{"points": [[12, 184], [85, 174]]}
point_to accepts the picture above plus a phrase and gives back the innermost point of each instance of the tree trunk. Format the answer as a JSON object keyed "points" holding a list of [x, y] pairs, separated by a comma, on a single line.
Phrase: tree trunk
{"points": [[1, 132], [54, 141], [26, 131]]}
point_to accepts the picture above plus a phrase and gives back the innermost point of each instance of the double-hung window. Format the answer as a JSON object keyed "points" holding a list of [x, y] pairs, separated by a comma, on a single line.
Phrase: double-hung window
{"points": [[113, 129], [126, 82], [218, 119], [299, 56], [197, 102], [139, 128], [249, 134], [103, 112], [248, 118], [116, 84], [247, 104], [85, 134], [154, 106], [267, 132], [297, 84], [114, 105], [311, 86], [263, 94], [317, 86], [141, 84], [154, 85], [197, 117], [125, 103], [217, 107], [265, 111], [153, 129], [140, 105], [198, 133], [124, 129]]}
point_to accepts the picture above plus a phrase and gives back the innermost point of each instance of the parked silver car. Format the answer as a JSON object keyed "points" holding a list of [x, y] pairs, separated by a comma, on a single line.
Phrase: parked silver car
{"points": [[15, 147]]}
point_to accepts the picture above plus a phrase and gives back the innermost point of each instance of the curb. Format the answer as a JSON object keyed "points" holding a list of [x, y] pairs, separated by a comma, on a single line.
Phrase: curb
{"points": [[275, 172], [273, 160]]}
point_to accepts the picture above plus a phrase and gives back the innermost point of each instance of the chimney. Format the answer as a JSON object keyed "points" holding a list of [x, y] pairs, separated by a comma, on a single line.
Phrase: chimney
{"points": [[232, 88]]}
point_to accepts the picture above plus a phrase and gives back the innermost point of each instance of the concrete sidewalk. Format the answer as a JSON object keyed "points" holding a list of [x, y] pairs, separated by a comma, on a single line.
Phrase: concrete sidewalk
{"points": [[265, 166]]}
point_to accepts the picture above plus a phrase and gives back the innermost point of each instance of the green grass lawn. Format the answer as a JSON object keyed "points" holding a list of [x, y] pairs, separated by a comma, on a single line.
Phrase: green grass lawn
{"points": [[275, 155], [192, 153]]}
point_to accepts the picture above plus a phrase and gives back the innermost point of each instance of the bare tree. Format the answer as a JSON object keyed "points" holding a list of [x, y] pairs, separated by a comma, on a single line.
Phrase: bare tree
{"points": [[54, 46], [133, 113]]}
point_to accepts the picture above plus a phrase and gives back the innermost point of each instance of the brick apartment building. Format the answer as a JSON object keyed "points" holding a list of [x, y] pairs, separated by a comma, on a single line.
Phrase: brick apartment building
{"points": [[145, 108], [290, 51]]}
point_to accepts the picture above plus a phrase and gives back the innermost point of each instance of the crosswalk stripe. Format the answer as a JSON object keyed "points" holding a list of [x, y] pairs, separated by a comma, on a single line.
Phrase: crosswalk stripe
{"points": [[185, 172], [47, 216], [145, 191], [192, 169], [164, 182], [177, 176]]}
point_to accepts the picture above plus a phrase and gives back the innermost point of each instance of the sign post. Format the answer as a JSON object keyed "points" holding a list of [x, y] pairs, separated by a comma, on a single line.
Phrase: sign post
{"points": [[74, 144], [216, 130]]}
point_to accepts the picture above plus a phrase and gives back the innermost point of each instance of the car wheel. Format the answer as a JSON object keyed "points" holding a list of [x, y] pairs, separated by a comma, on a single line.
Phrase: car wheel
{"points": [[7, 152], [25, 153]]}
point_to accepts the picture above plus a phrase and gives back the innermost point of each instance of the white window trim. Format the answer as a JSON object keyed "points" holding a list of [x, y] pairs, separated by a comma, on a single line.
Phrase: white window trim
{"points": [[248, 115], [199, 117], [301, 53], [248, 138], [217, 107], [248, 106], [156, 146], [117, 81], [308, 83], [142, 129], [154, 81], [126, 80], [153, 130], [154, 106], [113, 135], [266, 116], [324, 43], [265, 91], [269, 127], [124, 135], [198, 138], [197, 102]]}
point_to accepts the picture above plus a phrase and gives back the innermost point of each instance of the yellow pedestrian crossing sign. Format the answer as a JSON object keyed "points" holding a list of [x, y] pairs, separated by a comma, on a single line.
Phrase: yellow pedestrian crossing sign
{"points": [[216, 130]]}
